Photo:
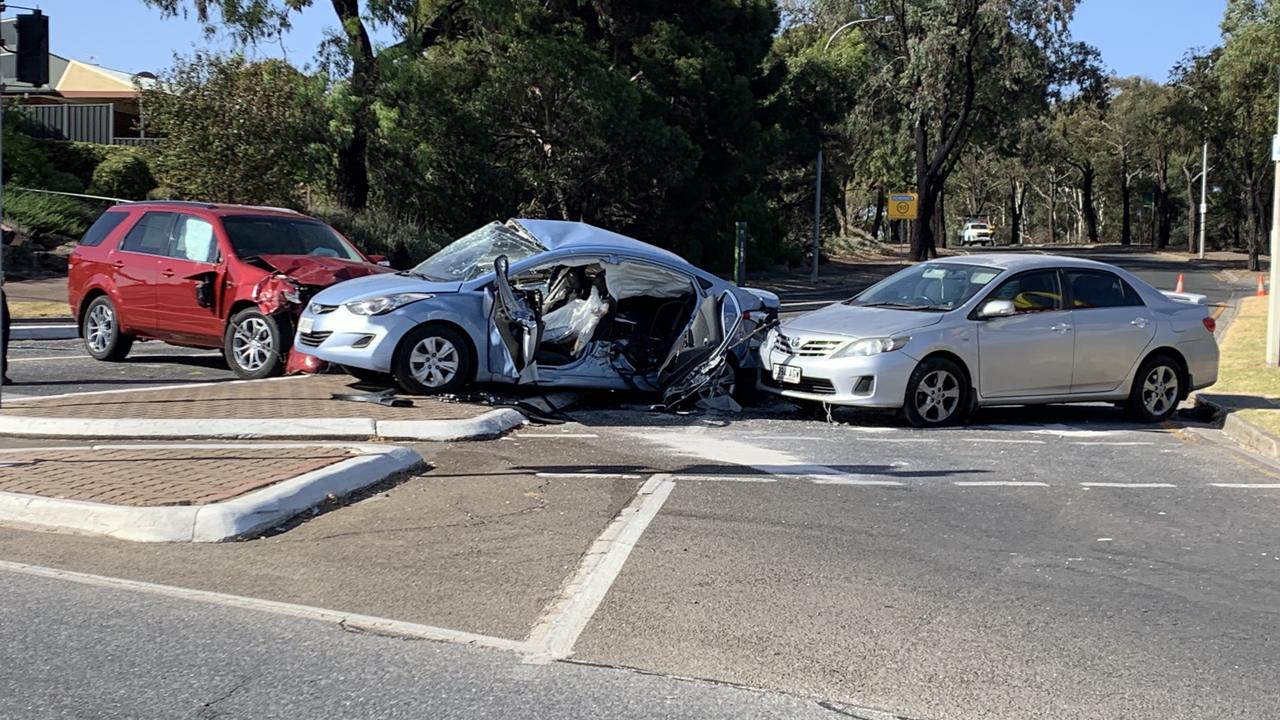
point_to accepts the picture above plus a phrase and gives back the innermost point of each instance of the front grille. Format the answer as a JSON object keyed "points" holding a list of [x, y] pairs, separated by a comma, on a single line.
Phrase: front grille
{"points": [[813, 386], [313, 339], [814, 347]]}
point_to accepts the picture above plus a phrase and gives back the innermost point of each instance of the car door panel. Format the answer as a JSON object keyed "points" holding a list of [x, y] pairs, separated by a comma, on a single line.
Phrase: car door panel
{"points": [[1113, 330], [515, 329], [185, 312], [135, 268], [1031, 353]]}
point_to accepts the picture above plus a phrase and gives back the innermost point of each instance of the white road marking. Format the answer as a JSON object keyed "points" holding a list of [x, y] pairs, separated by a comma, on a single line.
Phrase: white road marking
{"points": [[336, 617], [131, 355], [588, 475], [1004, 440], [727, 478], [1247, 486], [1137, 486], [852, 480], [156, 388], [557, 435], [557, 631], [999, 483], [1113, 444]]}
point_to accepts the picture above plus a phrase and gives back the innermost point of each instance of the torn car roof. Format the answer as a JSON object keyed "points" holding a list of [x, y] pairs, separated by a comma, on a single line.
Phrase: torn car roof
{"points": [[562, 234]]}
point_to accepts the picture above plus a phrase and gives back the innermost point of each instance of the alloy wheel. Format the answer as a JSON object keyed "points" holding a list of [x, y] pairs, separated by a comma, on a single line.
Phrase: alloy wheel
{"points": [[937, 396], [434, 361], [252, 344], [99, 327], [1160, 390]]}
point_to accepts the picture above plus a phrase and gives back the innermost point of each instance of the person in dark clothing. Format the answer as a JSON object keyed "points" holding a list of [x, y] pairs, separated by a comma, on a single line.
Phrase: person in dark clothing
{"points": [[6, 237]]}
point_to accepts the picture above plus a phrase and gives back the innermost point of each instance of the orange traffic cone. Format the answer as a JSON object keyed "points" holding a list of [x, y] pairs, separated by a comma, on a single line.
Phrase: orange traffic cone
{"points": [[1179, 287], [1262, 287]]}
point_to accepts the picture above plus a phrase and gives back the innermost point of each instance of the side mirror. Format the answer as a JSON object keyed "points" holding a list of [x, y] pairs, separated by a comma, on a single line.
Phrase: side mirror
{"points": [[380, 260], [997, 309]]}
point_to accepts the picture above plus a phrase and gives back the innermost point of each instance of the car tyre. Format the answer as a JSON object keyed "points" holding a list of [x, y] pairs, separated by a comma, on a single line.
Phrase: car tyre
{"points": [[372, 377], [100, 328], [433, 360], [938, 394], [256, 345], [1157, 390]]}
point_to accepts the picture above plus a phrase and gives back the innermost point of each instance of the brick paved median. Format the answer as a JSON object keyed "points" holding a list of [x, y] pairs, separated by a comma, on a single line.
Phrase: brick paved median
{"points": [[297, 397], [154, 477]]}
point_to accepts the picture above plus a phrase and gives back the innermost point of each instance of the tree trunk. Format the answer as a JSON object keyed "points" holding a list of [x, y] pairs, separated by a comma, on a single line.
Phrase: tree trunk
{"points": [[1087, 176], [1192, 216], [1164, 208], [1015, 214], [878, 222], [1126, 219], [1053, 206], [940, 220], [353, 156]]}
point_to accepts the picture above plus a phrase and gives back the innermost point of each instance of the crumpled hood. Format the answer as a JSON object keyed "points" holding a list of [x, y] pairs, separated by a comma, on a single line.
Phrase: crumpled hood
{"points": [[320, 271], [385, 284], [861, 322]]}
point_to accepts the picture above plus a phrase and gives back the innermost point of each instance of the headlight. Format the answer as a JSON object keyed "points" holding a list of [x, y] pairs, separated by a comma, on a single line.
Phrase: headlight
{"points": [[386, 303], [770, 338], [872, 346]]}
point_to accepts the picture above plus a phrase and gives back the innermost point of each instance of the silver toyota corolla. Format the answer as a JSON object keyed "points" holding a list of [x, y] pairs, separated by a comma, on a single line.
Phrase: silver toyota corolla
{"points": [[546, 302], [942, 337]]}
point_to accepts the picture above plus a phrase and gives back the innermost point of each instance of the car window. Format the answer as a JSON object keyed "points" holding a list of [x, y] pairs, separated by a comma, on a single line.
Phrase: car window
{"points": [[150, 235], [1035, 291], [255, 235], [193, 240], [931, 286], [102, 227], [1097, 289], [472, 255]]}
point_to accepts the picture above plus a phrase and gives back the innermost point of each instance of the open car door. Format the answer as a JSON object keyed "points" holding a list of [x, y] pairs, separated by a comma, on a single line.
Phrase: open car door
{"points": [[515, 328], [699, 356]]}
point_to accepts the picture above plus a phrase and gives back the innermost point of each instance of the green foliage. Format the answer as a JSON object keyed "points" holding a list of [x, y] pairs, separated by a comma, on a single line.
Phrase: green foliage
{"points": [[123, 175], [403, 240], [238, 131], [77, 158], [48, 219]]}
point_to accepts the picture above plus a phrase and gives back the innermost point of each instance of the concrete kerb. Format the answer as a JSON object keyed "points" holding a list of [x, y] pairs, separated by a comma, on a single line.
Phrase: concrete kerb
{"points": [[243, 516], [1242, 431], [488, 425], [55, 331]]}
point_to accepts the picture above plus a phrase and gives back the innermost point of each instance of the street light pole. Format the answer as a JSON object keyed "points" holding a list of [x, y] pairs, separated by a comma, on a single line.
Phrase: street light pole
{"points": [[1204, 186], [1273, 299], [817, 193]]}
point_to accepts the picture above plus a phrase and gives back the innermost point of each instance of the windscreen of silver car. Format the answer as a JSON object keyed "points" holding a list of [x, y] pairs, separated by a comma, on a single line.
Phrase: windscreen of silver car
{"points": [[927, 287], [473, 254]]}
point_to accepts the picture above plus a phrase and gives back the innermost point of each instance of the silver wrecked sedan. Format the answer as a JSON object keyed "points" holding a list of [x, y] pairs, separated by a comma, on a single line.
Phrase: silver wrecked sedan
{"points": [[546, 302], [942, 337]]}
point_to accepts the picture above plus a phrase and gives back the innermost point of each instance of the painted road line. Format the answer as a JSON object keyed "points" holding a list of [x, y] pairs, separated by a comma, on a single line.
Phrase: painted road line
{"points": [[588, 476], [557, 631], [338, 618], [855, 480], [1136, 486], [727, 478], [132, 355], [557, 435], [1247, 486], [998, 483]]}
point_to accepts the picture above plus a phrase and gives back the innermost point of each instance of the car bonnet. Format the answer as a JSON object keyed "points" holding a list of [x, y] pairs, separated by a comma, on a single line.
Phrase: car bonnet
{"points": [[376, 285], [861, 322], [319, 271]]}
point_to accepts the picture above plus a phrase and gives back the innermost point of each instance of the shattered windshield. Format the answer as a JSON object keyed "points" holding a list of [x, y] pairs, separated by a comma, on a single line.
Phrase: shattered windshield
{"points": [[472, 255], [931, 286], [257, 235]]}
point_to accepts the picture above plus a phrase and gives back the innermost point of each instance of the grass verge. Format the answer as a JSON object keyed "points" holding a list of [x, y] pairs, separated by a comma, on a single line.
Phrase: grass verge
{"points": [[1242, 370], [37, 309]]}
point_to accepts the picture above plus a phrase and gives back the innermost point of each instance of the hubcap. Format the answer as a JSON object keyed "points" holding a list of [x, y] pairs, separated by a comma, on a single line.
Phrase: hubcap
{"points": [[1160, 391], [99, 327], [252, 345], [434, 362], [937, 396]]}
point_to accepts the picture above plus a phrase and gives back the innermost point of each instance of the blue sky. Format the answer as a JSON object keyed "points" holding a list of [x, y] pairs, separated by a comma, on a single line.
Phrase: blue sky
{"points": [[1136, 37]]}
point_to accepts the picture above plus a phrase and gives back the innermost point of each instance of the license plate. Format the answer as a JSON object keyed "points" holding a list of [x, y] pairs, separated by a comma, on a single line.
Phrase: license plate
{"points": [[305, 324], [789, 374]]}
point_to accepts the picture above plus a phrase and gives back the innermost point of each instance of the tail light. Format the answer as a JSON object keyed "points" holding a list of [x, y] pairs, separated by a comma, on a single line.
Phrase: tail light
{"points": [[1210, 324]]}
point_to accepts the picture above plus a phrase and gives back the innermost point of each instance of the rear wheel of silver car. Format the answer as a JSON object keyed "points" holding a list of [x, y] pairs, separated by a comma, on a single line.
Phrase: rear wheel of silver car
{"points": [[1157, 390], [255, 345], [433, 359], [100, 328], [938, 394]]}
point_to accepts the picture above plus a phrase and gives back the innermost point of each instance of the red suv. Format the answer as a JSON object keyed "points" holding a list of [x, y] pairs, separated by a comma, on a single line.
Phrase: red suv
{"points": [[202, 275]]}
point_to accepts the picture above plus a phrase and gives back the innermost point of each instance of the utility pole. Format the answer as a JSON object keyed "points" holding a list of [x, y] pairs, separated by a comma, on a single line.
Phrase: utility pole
{"points": [[1273, 299], [1204, 186]]}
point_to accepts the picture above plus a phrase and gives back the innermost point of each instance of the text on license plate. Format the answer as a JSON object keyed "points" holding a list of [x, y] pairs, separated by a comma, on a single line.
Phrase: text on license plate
{"points": [[305, 324], [786, 373]]}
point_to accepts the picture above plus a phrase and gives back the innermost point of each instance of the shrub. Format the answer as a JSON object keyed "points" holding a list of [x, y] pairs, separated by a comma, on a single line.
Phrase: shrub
{"points": [[78, 158], [49, 220], [59, 181], [405, 241], [123, 175]]}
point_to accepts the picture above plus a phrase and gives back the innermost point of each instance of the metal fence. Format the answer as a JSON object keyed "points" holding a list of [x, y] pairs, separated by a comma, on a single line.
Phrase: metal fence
{"points": [[88, 123], [134, 141]]}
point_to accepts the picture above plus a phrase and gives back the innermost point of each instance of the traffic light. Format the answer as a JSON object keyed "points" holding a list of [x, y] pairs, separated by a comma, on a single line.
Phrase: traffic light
{"points": [[33, 48]]}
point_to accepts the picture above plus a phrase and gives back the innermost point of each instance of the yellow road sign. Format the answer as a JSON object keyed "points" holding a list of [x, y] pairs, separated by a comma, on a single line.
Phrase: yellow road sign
{"points": [[902, 206]]}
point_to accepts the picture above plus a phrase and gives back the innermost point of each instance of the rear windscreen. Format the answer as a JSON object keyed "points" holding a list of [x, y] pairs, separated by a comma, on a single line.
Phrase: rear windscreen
{"points": [[102, 227]]}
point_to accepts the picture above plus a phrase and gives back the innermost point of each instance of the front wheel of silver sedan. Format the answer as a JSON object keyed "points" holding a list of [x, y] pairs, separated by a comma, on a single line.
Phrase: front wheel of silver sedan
{"points": [[938, 394], [1157, 390], [433, 359]]}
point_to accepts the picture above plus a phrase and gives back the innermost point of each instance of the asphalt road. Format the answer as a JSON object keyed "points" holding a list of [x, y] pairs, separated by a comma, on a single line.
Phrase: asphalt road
{"points": [[1040, 563]]}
